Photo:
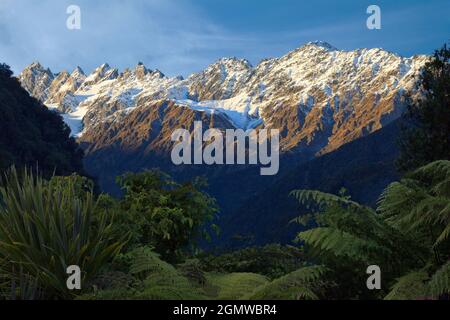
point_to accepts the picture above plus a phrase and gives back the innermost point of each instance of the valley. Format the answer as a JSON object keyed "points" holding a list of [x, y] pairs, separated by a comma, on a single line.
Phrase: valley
{"points": [[318, 97]]}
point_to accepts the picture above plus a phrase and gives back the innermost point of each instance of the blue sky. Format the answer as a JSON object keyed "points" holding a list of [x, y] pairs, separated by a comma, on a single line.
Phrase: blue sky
{"points": [[184, 36]]}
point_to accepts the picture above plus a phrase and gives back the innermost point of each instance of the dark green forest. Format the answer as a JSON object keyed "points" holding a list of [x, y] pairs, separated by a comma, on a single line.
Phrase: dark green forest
{"points": [[147, 243], [31, 135]]}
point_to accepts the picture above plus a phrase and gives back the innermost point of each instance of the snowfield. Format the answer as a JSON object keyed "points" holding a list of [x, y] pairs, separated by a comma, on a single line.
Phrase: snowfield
{"points": [[316, 75]]}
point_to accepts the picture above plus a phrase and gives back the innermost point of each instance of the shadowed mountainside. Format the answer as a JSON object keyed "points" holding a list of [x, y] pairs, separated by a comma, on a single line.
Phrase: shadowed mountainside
{"points": [[31, 135], [364, 167]]}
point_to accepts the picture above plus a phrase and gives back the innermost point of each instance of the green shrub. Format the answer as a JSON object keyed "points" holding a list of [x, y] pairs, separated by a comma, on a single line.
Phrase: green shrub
{"points": [[164, 214], [46, 227], [272, 260]]}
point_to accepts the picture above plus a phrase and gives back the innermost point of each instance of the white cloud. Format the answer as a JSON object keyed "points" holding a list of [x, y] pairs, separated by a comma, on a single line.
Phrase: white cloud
{"points": [[170, 36]]}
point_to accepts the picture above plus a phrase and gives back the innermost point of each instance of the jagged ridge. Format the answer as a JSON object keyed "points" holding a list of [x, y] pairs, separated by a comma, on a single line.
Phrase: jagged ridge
{"points": [[318, 96]]}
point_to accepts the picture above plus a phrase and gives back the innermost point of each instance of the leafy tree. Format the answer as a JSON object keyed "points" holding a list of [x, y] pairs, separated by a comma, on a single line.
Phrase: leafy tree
{"points": [[5, 71], [164, 214], [81, 185], [426, 137]]}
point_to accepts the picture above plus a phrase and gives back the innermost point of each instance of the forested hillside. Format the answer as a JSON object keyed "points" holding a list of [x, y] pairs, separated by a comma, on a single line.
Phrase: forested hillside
{"points": [[363, 167], [31, 135]]}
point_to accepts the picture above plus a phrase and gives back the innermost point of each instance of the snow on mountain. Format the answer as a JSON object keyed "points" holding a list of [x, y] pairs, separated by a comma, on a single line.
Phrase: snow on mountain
{"points": [[36, 80], [316, 94]]}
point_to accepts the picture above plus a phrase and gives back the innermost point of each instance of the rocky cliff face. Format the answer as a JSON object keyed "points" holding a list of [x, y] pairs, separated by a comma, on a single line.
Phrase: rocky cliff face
{"points": [[36, 80], [318, 96]]}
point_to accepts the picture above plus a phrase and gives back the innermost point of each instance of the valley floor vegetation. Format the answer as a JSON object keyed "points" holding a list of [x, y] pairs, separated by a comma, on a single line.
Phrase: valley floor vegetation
{"points": [[144, 244], [140, 247]]}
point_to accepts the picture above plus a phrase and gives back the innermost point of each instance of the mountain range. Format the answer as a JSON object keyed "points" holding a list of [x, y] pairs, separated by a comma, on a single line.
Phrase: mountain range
{"points": [[331, 106]]}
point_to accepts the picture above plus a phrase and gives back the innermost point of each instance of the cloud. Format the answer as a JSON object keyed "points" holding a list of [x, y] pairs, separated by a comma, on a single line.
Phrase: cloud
{"points": [[173, 37], [184, 36]]}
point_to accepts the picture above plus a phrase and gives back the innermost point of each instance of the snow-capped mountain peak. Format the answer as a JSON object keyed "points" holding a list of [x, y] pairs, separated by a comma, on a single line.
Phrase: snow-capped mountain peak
{"points": [[78, 76], [78, 73], [317, 96], [36, 80], [322, 44]]}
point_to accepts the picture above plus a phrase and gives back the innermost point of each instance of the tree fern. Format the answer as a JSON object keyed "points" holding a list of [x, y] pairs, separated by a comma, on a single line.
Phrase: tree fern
{"points": [[192, 270], [348, 237], [433, 172], [160, 280], [348, 229], [308, 197], [302, 284], [234, 286], [420, 203], [440, 281], [145, 261], [343, 244], [409, 287]]}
